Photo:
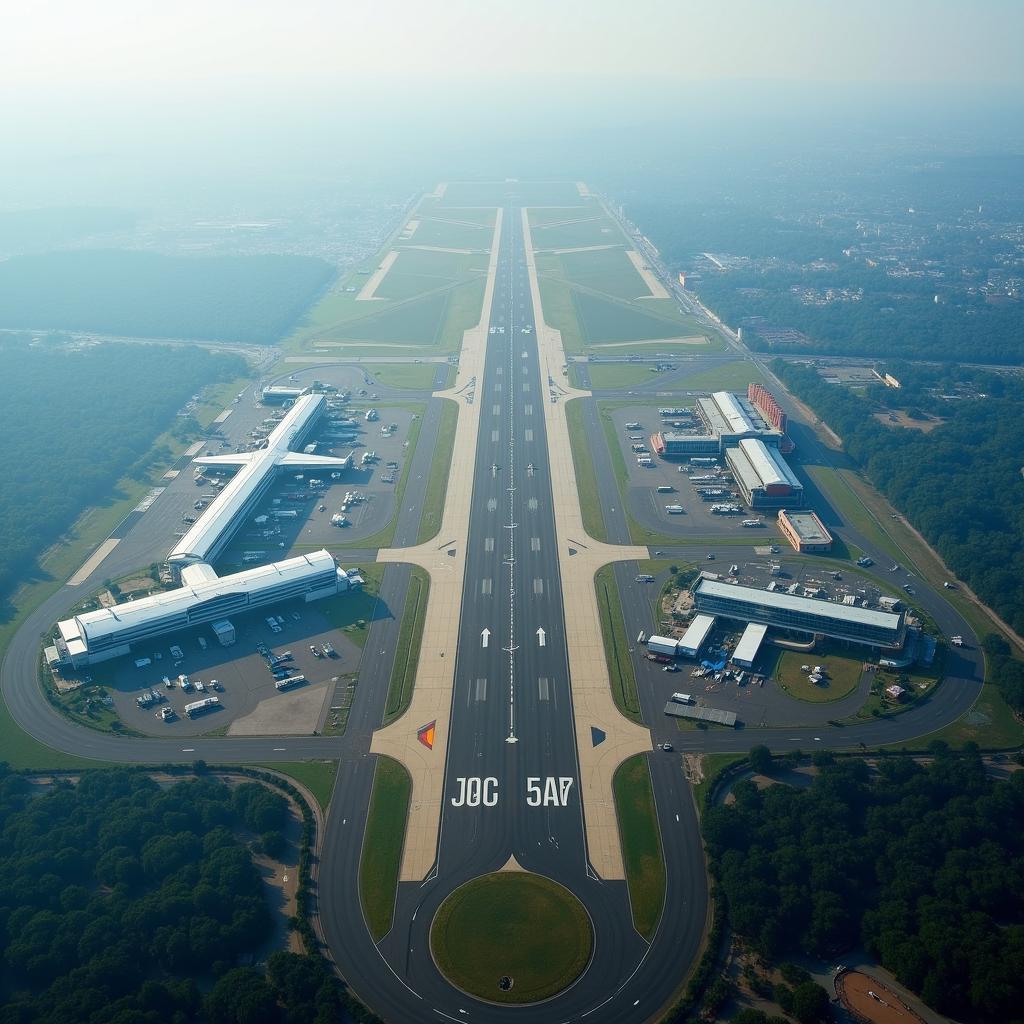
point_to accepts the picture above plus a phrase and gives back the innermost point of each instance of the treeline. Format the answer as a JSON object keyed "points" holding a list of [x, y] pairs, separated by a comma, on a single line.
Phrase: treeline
{"points": [[922, 864], [894, 318], [74, 422], [960, 484], [42, 228], [119, 896], [146, 294]]}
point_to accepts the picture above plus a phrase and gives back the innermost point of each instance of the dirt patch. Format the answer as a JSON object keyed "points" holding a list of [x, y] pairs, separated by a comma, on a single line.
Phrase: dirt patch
{"points": [[871, 1001], [294, 713], [693, 768], [900, 419]]}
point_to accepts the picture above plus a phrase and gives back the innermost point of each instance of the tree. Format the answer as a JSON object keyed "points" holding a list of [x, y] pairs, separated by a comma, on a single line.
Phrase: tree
{"points": [[760, 759], [810, 1003]]}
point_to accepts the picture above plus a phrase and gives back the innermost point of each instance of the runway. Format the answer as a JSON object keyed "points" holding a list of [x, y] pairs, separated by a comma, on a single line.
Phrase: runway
{"points": [[512, 717]]}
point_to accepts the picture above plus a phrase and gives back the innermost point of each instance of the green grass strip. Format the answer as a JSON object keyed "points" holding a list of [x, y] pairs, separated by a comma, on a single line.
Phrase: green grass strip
{"points": [[410, 637], [383, 839], [440, 468], [586, 477], [641, 843], [317, 776], [616, 646]]}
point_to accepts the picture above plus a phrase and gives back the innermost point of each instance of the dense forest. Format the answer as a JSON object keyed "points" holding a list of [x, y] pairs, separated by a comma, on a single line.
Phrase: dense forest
{"points": [[74, 422], [122, 902], [923, 864], [146, 294], [892, 318], [960, 484]]}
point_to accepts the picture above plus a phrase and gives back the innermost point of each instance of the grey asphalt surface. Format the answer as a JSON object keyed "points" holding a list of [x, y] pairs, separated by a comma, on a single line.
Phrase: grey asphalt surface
{"points": [[627, 981]]}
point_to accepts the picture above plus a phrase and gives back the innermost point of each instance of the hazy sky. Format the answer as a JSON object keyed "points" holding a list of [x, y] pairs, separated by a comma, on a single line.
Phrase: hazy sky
{"points": [[71, 45]]}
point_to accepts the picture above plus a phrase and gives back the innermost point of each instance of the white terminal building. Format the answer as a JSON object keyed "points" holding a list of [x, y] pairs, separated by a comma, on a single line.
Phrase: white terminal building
{"points": [[205, 597]]}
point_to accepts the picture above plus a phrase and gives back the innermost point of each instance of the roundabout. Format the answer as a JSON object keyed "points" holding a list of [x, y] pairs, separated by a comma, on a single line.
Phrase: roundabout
{"points": [[511, 937]]}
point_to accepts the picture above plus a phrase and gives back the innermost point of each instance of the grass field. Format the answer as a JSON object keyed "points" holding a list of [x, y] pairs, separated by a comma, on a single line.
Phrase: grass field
{"points": [[519, 193], [604, 270], [586, 478], [416, 376], [616, 645], [560, 313], [990, 723], [440, 467], [843, 674], [416, 272], [383, 839], [317, 776], [452, 231], [641, 843], [516, 925], [734, 376], [619, 375], [603, 319], [410, 636]]}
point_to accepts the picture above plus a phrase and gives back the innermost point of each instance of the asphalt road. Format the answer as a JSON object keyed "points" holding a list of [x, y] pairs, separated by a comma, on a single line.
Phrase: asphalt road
{"points": [[514, 687]]}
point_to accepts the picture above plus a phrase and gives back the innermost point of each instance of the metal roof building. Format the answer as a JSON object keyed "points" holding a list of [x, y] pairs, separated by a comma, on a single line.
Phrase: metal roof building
{"points": [[695, 635], [109, 632], [726, 419], [804, 614], [762, 474], [804, 531], [750, 643]]}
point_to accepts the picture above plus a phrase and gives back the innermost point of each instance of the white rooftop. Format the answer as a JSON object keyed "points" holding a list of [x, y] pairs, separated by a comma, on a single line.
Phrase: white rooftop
{"points": [[92, 625], [697, 632], [200, 541], [770, 468], [790, 602], [750, 643]]}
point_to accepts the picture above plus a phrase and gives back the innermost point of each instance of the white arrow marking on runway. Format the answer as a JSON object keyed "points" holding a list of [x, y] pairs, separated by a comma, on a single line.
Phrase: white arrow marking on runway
{"points": [[542, 639], [485, 636]]}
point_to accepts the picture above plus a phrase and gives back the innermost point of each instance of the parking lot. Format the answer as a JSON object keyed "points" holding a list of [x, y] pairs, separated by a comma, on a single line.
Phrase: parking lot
{"points": [[244, 683], [682, 508]]}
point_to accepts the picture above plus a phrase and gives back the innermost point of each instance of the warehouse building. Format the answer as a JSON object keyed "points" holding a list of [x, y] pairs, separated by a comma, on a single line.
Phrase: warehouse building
{"points": [[779, 610], [695, 636], [750, 643], [762, 475], [725, 420], [111, 632], [804, 531]]}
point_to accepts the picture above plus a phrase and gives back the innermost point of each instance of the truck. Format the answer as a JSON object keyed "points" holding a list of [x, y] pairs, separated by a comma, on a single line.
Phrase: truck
{"points": [[665, 488], [752, 522], [328, 649], [682, 698], [703, 460], [662, 645], [143, 662], [674, 510], [287, 684], [197, 707], [284, 513], [202, 642], [864, 561], [633, 426]]}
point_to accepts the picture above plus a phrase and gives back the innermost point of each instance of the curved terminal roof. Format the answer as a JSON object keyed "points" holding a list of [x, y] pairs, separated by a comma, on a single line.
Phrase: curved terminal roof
{"points": [[771, 469], [152, 610], [733, 413]]}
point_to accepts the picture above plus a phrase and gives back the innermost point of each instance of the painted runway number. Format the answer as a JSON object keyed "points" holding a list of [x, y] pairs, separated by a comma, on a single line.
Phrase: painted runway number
{"points": [[554, 793], [474, 791]]}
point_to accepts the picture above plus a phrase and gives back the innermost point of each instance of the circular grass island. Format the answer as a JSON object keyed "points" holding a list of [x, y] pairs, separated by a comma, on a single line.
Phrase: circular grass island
{"points": [[511, 937]]}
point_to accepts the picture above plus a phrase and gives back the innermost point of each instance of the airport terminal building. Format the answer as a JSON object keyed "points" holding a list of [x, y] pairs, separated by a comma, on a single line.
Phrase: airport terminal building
{"points": [[880, 629], [206, 598]]}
